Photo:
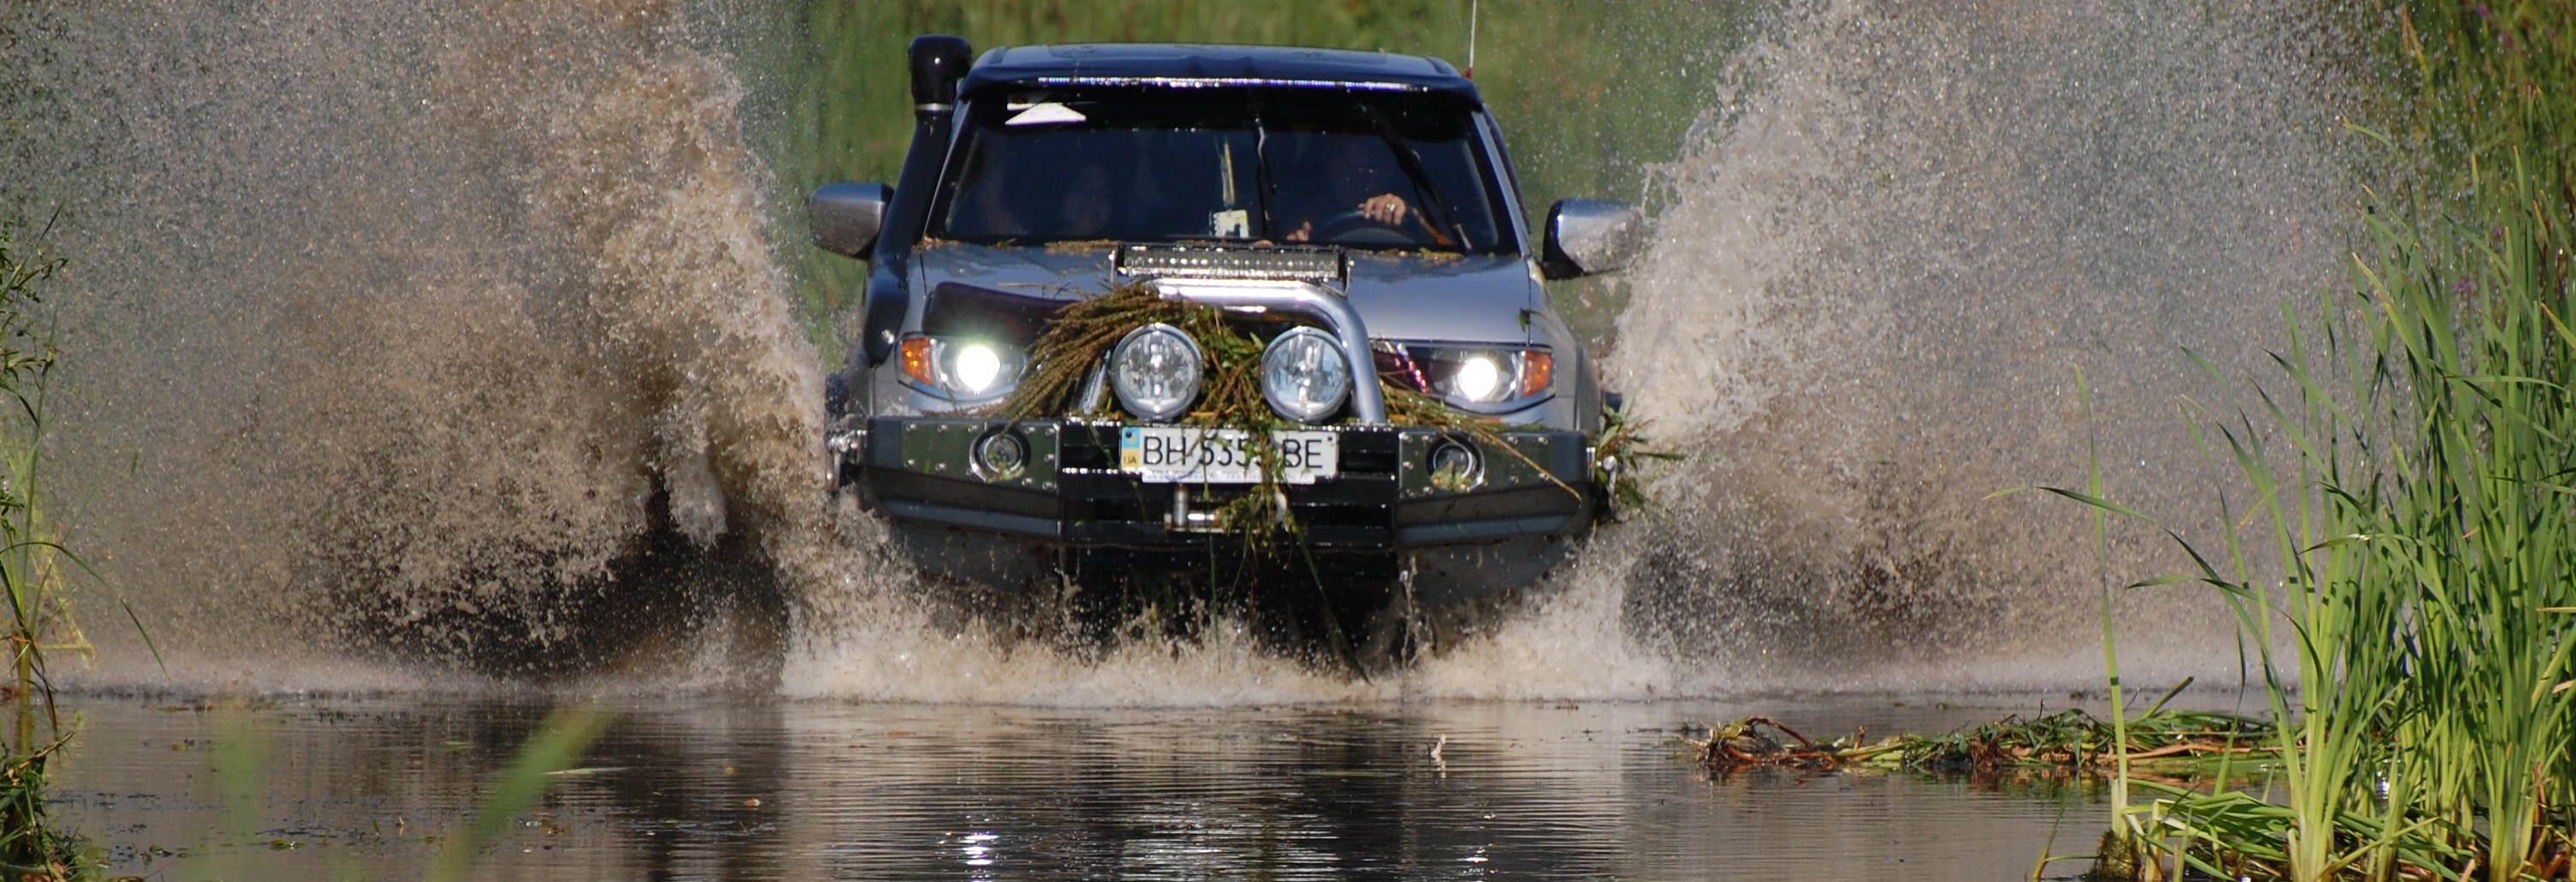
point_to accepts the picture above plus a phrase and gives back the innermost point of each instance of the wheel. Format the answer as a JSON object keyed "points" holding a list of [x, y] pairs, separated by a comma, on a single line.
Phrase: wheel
{"points": [[1355, 227]]}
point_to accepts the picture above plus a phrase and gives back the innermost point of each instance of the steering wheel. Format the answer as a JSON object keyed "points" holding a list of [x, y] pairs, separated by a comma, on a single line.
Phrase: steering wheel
{"points": [[1355, 227]]}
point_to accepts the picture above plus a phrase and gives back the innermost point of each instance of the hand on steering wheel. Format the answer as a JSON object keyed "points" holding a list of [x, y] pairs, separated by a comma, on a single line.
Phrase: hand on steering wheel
{"points": [[1386, 208], [1379, 220], [1356, 227]]}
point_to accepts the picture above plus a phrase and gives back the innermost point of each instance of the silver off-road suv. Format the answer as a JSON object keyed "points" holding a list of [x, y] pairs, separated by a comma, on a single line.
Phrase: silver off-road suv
{"points": [[1353, 220]]}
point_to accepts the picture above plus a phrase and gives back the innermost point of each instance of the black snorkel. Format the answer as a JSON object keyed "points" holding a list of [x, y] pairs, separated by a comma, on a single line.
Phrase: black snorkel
{"points": [[938, 61]]}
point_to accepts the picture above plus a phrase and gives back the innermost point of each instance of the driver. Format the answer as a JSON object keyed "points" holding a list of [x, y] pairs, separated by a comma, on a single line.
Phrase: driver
{"points": [[1358, 183], [1086, 209]]}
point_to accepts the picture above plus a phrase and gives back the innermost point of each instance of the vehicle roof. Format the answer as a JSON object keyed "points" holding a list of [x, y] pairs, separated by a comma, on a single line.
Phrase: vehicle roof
{"points": [[1206, 65]]}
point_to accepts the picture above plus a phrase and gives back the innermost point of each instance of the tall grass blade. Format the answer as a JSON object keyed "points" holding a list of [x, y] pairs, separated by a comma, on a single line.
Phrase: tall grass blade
{"points": [[559, 742]]}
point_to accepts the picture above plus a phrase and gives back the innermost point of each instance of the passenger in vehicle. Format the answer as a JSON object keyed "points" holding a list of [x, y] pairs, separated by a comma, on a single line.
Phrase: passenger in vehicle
{"points": [[990, 205], [1026, 201], [1086, 210]]}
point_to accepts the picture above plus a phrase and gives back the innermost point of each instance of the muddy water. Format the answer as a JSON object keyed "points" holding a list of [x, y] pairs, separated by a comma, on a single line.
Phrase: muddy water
{"points": [[1865, 312], [716, 789], [407, 330]]}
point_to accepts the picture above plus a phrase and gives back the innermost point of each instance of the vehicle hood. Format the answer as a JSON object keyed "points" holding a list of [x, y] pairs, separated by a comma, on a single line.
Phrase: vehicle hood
{"points": [[1450, 298]]}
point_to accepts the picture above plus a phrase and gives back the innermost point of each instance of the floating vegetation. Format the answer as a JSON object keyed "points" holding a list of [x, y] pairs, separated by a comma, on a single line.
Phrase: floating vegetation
{"points": [[2176, 746], [1756, 742]]}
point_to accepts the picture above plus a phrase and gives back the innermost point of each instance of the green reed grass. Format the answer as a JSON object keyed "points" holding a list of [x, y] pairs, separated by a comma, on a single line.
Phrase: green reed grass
{"points": [[244, 750], [2122, 845], [35, 572], [2405, 557], [561, 740]]}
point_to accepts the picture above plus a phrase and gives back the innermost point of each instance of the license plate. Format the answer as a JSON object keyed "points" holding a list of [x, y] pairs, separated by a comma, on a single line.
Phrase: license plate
{"points": [[1178, 455]]}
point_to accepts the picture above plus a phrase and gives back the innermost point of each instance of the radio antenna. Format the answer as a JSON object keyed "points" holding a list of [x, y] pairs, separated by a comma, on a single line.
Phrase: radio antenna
{"points": [[1471, 37]]}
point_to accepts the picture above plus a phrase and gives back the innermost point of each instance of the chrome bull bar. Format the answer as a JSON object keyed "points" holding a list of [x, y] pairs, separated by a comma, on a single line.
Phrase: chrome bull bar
{"points": [[1368, 402]]}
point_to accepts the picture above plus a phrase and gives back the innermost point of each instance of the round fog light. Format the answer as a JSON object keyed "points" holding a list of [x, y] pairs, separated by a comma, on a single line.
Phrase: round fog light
{"points": [[1154, 371], [1001, 456], [1304, 375], [1456, 467]]}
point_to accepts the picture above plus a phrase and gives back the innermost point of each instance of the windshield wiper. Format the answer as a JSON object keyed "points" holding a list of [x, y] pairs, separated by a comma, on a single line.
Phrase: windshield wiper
{"points": [[1411, 162]]}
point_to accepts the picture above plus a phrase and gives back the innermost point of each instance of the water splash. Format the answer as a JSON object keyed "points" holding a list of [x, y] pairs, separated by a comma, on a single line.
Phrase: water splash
{"points": [[1882, 265], [405, 331], [415, 338]]}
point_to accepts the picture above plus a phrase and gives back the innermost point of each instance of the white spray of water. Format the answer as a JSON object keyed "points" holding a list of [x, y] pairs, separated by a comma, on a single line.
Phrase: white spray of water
{"points": [[405, 330], [408, 329], [1882, 264]]}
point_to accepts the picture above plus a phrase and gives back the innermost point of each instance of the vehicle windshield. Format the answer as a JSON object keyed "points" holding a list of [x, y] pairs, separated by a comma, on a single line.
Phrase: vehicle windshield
{"points": [[1394, 171]]}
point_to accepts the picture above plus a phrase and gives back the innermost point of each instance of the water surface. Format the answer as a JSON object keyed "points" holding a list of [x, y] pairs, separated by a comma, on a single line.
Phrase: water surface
{"points": [[716, 788]]}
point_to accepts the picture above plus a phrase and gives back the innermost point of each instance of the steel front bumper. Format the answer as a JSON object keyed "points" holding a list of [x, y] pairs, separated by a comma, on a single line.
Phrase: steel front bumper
{"points": [[1070, 491]]}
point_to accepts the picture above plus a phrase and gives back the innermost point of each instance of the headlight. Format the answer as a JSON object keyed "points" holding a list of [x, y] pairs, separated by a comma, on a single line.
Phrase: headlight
{"points": [[1503, 376], [975, 367], [965, 369], [1477, 378], [1305, 375], [1155, 371]]}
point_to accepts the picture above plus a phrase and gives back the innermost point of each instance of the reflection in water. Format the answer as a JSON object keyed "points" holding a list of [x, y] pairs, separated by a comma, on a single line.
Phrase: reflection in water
{"points": [[683, 789]]}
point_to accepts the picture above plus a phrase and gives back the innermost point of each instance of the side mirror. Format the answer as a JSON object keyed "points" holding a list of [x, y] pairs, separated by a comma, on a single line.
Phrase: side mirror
{"points": [[846, 218], [1590, 236]]}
